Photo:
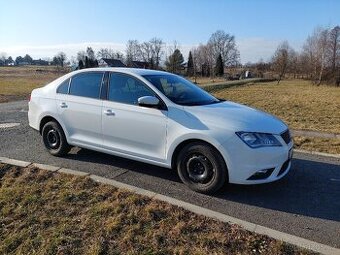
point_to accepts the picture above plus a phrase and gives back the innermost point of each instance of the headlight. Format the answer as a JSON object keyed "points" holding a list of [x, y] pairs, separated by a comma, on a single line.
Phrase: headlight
{"points": [[256, 140]]}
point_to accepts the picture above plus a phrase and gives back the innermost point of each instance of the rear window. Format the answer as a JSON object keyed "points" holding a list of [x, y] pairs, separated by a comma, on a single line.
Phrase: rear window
{"points": [[86, 84], [63, 88]]}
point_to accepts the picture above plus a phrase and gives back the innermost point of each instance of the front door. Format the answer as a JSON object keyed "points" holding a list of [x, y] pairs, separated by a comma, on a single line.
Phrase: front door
{"points": [[129, 128]]}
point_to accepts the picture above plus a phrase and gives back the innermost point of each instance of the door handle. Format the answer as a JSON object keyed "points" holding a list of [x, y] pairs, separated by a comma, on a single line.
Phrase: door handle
{"points": [[109, 112], [63, 105]]}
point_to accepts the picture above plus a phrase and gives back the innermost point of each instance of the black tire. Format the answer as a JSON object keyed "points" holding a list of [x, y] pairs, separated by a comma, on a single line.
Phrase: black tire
{"points": [[54, 139], [202, 168]]}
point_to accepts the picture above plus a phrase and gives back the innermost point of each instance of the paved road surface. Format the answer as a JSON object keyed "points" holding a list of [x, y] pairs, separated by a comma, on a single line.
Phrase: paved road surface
{"points": [[305, 203]]}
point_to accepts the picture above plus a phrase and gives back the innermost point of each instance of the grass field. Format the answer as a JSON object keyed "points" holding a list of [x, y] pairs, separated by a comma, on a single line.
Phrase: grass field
{"points": [[297, 102], [51, 213], [18, 82], [317, 144]]}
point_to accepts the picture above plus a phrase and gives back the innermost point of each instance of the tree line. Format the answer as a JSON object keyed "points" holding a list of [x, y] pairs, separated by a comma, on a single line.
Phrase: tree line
{"points": [[207, 59], [318, 61]]}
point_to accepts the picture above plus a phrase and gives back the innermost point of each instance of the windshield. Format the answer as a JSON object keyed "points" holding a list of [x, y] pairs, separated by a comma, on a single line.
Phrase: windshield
{"points": [[180, 91]]}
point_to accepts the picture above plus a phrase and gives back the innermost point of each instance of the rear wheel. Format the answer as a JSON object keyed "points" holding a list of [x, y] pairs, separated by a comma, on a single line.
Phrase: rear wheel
{"points": [[54, 139], [201, 167]]}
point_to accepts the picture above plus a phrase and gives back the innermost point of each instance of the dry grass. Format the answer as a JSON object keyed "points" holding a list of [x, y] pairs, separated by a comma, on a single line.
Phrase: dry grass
{"points": [[207, 80], [18, 82], [317, 144], [300, 104], [50, 213]]}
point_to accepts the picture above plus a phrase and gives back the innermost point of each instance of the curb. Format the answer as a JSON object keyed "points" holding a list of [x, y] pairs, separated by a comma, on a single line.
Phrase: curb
{"points": [[288, 238], [337, 156]]}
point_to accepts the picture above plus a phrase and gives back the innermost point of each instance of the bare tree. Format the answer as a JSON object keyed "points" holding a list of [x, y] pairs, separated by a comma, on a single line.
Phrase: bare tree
{"points": [[110, 53], [157, 50], [224, 44], [280, 60], [203, 59], [90, 53], [132, 52], [334, 48], [146, 51], [322, 44], [81, 56], [60, 59], [3, 57], [315, 48]]}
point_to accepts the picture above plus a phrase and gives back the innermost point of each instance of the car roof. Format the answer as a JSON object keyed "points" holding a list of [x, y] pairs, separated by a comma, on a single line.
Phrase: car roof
{"points": [[136, 71]]}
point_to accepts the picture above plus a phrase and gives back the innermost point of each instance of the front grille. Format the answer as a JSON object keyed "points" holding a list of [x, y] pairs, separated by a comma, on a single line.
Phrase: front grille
{"points": [[286, 136], [284, 167]]}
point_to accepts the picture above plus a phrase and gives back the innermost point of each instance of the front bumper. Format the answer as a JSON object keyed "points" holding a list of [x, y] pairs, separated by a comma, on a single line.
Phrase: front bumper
{"points": [[244, 163]]}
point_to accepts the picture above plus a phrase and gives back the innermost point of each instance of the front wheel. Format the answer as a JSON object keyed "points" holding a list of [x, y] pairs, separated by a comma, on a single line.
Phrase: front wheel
{"points": [[54, 139], [202, 168]]}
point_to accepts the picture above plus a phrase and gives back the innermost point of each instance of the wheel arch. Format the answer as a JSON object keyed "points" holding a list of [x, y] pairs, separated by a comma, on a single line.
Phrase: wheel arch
{"points": [[51, 117], [44, 120], [181, 145]]}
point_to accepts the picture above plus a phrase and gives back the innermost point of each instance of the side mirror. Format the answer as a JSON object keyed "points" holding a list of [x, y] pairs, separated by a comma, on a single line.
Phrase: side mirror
{"points": [[148, 101]]}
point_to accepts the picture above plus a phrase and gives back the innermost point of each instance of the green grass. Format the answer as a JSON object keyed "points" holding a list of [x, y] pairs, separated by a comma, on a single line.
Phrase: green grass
{"points": [[51, 213]]}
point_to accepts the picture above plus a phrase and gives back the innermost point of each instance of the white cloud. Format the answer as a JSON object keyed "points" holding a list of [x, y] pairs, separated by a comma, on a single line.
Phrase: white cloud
{"points": [[254, 49]]}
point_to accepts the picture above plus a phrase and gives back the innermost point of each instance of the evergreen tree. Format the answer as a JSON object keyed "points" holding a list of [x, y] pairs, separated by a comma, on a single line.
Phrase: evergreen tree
{"points": [[19, 59], [81, 64], [151, 64], [28, 59], [87, 62], [175, 61], [90, 53], [190, 66], [219, 68]]}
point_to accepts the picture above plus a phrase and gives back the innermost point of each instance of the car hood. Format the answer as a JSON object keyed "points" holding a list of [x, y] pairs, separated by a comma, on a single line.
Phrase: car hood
{"points": [[236, 117]]}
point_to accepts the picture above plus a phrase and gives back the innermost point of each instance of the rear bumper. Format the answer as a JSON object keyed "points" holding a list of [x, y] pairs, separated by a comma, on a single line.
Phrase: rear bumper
{"points": [[33, 117]]}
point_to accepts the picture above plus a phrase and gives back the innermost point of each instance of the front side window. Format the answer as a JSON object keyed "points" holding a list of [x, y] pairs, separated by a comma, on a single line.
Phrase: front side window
{"points": [[63, 88], [86, 84], [180, 91], [126, 89]]}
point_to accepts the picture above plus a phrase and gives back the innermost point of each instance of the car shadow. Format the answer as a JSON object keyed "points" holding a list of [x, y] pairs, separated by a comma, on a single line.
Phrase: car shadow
{"points": [[311, 188], [86, 155]]}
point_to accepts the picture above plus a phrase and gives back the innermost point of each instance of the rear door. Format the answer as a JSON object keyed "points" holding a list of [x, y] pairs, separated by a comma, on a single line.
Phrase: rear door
{"points": [[129, 128], [80, 109]]}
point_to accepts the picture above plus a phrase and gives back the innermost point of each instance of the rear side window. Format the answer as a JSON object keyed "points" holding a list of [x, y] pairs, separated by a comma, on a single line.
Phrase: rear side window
{"points": [[63, 88], [86, 84], [126, 89]]}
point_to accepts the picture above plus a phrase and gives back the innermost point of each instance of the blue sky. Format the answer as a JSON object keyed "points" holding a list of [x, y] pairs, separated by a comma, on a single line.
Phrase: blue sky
{"points": [[42, 28]]}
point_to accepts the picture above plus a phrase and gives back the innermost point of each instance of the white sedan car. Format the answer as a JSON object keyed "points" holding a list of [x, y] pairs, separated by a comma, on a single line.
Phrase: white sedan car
{"points": [[162, 119]]}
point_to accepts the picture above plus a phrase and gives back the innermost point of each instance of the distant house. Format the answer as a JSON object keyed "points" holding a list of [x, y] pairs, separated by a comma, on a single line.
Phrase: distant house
{"points": [[110, 62], [140, 64], [23, 63], [40, 62]]}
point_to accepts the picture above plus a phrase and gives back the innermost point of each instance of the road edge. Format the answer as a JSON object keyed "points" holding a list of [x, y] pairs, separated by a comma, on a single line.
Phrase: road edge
{"points": [[323, 154], [288, 238]]}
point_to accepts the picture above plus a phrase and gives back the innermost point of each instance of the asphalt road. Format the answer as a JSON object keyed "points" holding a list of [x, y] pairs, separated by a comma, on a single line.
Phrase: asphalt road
{"points": [[305, 203]]}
